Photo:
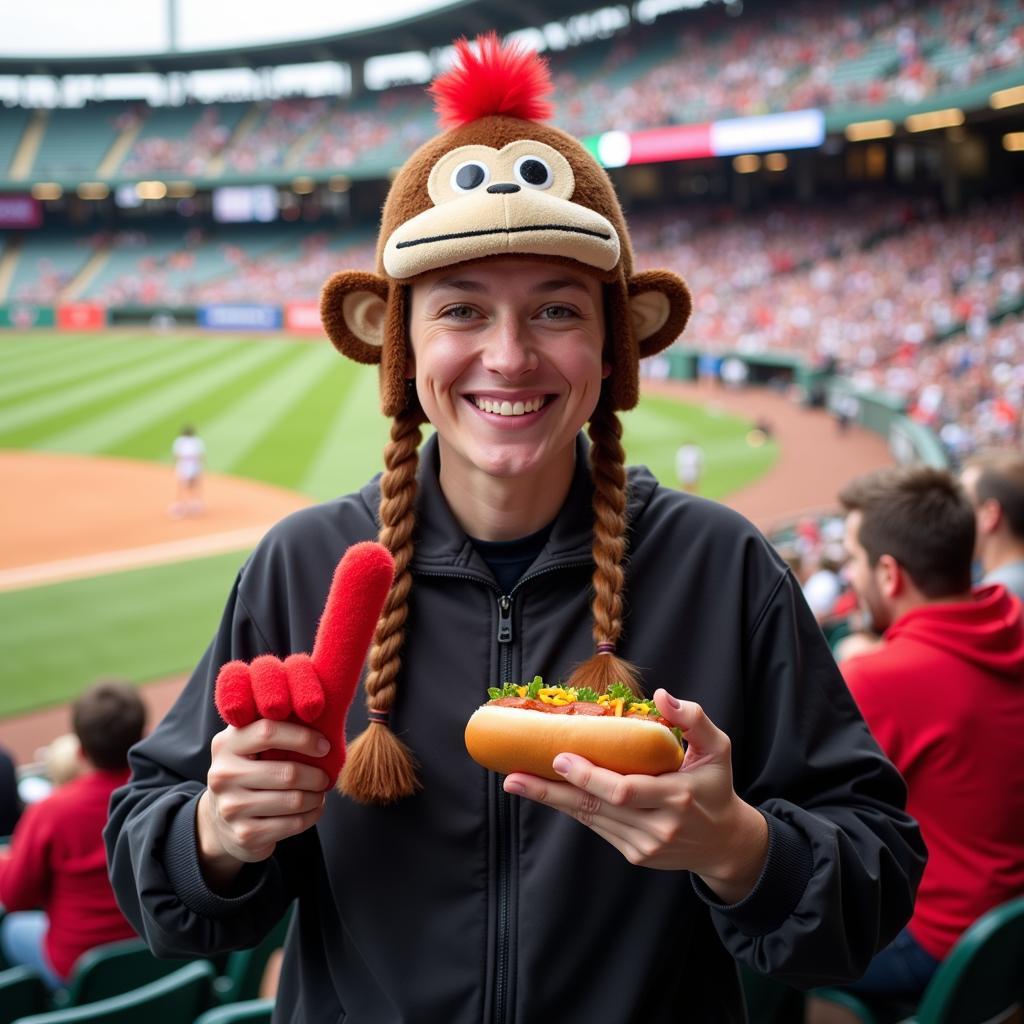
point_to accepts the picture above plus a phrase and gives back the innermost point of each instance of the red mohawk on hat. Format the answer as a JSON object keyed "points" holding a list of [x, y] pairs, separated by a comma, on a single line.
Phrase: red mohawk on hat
{"points": [[507, 80]]}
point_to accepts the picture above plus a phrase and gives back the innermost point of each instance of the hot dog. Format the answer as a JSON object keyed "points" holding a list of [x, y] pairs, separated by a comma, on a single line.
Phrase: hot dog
{"points": [[523, 729]]}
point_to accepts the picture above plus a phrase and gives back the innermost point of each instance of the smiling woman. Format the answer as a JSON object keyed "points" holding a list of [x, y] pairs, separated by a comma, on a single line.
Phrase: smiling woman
{"points": [[520, 548]]}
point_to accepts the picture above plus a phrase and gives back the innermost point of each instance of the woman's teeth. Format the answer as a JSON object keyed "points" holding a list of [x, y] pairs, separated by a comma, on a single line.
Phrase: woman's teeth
{"points": [[508, 408]]}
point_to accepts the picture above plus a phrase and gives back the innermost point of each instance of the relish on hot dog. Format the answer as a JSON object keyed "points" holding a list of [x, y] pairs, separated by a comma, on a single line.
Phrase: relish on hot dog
{"points": [[523, 728]]}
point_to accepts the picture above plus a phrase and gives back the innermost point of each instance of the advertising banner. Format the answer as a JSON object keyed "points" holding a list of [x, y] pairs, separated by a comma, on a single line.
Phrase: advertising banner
{"points": [[240, 317], [20, 212], [81, 316], [23, 316], [303, 318]]}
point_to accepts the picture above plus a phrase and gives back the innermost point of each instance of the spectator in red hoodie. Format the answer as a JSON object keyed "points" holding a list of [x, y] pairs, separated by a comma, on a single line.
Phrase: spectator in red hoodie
{"points": [[944, 696], [53, 879]]}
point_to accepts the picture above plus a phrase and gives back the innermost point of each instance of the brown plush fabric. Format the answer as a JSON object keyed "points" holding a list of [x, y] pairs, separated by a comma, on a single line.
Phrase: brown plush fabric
{"points": [[409, 197], [332, 297], [673, 286], [591, 189]]}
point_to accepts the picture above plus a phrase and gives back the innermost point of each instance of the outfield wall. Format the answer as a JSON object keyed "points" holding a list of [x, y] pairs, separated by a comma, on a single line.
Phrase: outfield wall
{"points": [[878, 411], [293, 317]]}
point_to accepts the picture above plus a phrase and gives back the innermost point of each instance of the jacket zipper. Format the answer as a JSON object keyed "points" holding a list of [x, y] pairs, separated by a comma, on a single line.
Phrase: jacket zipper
{"points": [[503, 804], [502, 801]]}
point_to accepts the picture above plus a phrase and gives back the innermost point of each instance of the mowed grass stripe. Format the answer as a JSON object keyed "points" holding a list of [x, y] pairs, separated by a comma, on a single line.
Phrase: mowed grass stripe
{"points": [[27, 365], [255, 417], [152, 440], [141, 625], [78, 365], [105, 432], [25, 426], [21, 350], [298, 433], [352, 449]]}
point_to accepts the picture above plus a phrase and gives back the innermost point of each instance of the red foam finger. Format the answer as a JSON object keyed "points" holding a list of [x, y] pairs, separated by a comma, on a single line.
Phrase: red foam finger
{"points": [[270, 688], [358, 592], [233, 694], [307, 692]]}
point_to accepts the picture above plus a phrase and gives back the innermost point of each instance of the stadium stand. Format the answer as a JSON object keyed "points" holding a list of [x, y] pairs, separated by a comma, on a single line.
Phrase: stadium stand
{"points": [[181, 140], [687, 67], [46, 263], [12, 129], [75, 142], [278, 128]]}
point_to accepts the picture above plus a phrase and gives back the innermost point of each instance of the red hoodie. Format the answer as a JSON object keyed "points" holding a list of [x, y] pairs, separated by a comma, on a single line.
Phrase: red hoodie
{"points": [[944, 697]]}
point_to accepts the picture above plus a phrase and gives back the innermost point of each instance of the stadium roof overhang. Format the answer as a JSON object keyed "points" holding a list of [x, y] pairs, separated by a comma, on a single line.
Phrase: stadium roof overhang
{"points": [[421, 32]]}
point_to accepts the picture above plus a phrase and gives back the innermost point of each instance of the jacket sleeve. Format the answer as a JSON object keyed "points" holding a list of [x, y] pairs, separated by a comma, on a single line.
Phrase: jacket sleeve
{"points": [[151, 833], [844, 858]]}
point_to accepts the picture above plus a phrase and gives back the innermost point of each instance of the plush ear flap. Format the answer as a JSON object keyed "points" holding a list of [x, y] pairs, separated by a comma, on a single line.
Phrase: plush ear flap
{"points": [[353, 309], [659, 308]]}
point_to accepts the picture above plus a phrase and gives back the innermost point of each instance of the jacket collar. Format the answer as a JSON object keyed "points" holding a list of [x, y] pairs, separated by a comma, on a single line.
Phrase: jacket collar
{"points": [[442, 545]]}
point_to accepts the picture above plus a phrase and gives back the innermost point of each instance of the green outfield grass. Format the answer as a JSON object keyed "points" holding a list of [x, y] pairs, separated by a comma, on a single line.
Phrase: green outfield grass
{"points": [[140, 625], [289, 412]]}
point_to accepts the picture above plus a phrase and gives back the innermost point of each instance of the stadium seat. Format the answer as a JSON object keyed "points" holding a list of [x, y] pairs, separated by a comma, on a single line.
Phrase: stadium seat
{"points": [[111, 969], [250, 1011], [769, 1001], [174, 999], [21, 992], [243, 970], [980, 982]]}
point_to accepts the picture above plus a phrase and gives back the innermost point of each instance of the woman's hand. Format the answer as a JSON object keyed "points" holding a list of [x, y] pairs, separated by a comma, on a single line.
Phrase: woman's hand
{"points": [[688, 820], [251, 804]]}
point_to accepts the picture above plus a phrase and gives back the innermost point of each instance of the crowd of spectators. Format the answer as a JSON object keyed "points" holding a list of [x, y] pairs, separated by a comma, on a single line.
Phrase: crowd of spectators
{"points": [[267, 145], [870, 292], [188, 154], [395, 123], [790, 58], [298, 274], [803, 55]]}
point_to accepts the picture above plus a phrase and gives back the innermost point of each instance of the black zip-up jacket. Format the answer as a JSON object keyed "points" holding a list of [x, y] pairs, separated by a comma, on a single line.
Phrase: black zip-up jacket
{"points": [[463, 905]]}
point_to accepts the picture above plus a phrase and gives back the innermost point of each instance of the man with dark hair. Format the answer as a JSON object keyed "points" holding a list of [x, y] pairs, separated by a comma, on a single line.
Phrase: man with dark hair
{"points": [[56, 859], [944, 696], [994, 482]]}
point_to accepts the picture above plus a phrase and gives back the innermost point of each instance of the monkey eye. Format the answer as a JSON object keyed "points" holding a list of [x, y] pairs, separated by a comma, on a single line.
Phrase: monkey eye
{"points": [[470, 176], [534, 172]]}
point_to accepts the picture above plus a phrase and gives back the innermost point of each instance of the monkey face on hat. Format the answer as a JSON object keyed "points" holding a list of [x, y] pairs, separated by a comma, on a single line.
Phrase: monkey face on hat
{"points": [[499, 183]]}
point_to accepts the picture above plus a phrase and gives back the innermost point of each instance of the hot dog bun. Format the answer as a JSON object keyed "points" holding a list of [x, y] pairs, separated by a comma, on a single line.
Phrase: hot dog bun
{"points": [[507, 739]]}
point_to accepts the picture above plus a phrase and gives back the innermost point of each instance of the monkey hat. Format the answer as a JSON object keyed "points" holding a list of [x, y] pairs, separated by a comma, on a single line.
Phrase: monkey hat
{"points": [[496, 182]]}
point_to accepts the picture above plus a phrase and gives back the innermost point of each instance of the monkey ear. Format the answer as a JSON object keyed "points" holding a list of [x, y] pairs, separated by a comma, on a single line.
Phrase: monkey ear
{"points": [[659, 307], [353, 309]]}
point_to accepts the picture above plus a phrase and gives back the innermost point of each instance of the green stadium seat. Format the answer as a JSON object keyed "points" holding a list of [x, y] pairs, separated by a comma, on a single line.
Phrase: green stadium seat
{"points": [[243, 970], [21, 992], [77, 139], [177, 998], [980, 982], [769, 1001], [250, 1011], [110, 970]]}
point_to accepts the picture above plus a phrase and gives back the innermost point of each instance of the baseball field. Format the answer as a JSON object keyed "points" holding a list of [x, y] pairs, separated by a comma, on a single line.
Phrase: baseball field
{"points": [[287, 414]]}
